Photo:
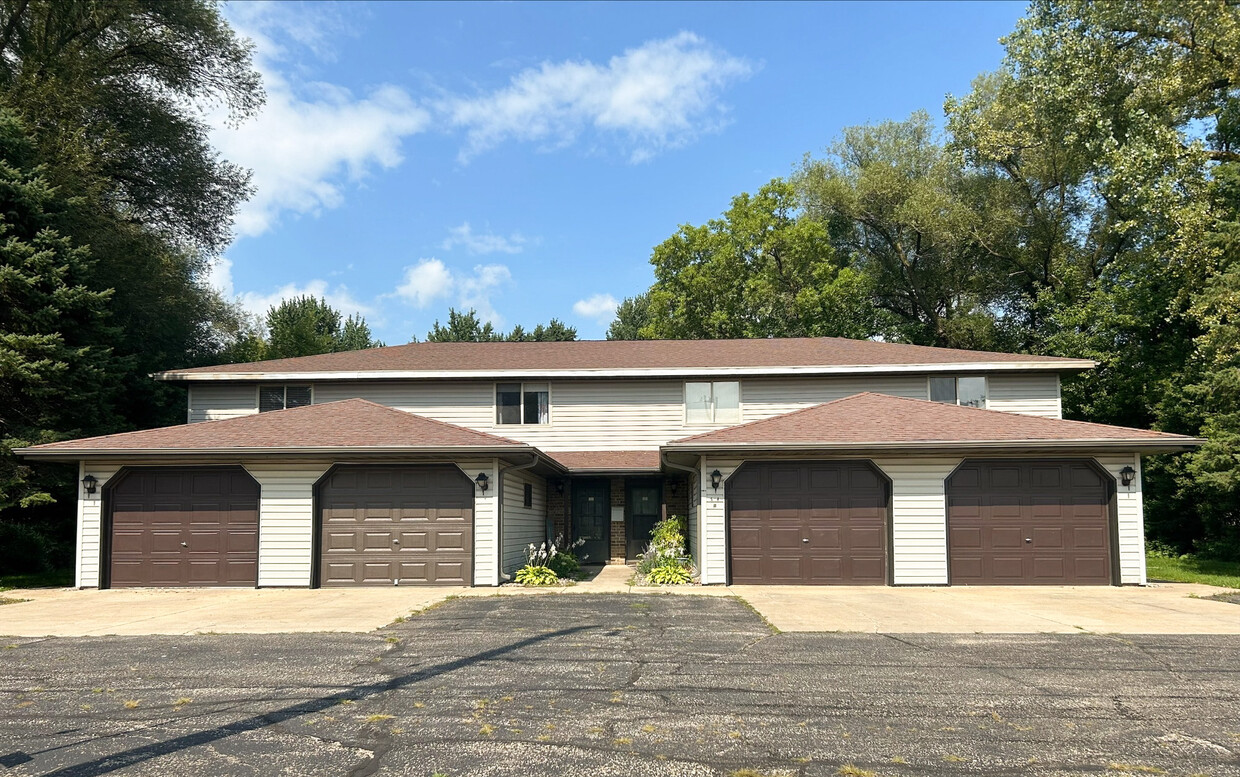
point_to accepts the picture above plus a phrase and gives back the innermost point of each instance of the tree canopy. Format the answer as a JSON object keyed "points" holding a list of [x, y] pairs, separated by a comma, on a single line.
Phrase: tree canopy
{"points": [[467, 327]]}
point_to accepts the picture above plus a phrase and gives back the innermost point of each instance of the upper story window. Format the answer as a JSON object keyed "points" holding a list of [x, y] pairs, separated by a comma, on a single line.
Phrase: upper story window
{"points": [[967, 392], [282, 397], [522, 403], [713, 402]]}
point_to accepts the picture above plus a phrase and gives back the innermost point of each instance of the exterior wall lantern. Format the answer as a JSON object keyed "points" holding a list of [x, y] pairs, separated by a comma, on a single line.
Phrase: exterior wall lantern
{"points": [[483, 482], [1127, 475], [90, 483], [716, 478], [559, 486]]}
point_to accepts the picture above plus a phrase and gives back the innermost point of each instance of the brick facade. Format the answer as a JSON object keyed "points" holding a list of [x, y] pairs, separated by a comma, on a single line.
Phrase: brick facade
{"points": [[618, 539], [676, 495]]}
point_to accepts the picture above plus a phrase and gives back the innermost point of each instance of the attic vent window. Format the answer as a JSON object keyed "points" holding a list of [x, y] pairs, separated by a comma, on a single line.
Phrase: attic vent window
{"points": [[283, 397]]}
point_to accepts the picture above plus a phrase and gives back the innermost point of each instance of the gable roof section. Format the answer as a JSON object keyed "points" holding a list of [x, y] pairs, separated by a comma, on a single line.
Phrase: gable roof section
{"points": [[810, 355], [349, 425], [873, 421]]}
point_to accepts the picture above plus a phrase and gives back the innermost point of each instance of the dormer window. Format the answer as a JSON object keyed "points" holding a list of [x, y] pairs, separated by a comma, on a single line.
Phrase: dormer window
{"points": [[966, 392], [283, 397], [522, 403]]}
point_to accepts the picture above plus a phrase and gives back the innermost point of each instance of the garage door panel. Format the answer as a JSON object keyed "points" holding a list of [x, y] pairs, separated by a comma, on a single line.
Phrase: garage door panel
{"points": [[183, 526], [426, 509], [1042, 521], [803, 523]]}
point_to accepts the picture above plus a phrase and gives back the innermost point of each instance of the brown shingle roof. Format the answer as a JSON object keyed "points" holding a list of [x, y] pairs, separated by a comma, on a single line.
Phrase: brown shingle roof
{"points": [[350, 423], [608, 461], [625, 355], [887, 421]]}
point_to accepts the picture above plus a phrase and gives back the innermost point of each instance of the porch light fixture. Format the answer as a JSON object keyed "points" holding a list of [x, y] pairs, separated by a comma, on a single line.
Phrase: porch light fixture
{"points": [[483, 482], [716, 478], [1127, 475], [559, 486], [90, 483]]}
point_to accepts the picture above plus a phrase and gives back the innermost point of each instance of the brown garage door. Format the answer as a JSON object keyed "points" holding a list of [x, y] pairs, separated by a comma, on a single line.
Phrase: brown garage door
{"points": [[819, 523], [183, 527], [411, 524], [1038, 522]]}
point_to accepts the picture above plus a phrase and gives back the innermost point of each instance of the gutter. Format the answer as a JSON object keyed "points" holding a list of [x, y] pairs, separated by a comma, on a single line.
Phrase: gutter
{"points": [[72, 454], [1178, 444], [1061, 365]]}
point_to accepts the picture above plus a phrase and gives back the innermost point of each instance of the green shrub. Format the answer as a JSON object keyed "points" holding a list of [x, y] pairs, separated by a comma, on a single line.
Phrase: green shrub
{"points": [[564, 564], [531, 575], [664, 562], [669, 575], [23, 550]]}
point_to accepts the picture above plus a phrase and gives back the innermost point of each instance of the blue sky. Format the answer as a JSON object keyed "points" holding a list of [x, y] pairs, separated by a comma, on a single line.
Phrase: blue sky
{"points": [[524, 159]]}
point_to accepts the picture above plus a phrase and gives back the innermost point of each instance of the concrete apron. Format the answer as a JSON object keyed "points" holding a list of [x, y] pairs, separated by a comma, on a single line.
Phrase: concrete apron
{"points": [[1163, 608]]}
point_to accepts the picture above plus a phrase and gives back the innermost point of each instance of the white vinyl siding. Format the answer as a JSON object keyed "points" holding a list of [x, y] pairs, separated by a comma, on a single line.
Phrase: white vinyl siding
{"points": [[286, 521], [522, 525], [465, 403], [1129, 508], [713, 532], [766, 397], [216, 401], [1026, 393], [486, 522], [90, 523]]}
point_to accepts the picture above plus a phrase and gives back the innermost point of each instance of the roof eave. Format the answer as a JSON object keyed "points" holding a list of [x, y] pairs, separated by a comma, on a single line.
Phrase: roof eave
{"points": [[75, 454], [1142, 444], [1061, 365]]}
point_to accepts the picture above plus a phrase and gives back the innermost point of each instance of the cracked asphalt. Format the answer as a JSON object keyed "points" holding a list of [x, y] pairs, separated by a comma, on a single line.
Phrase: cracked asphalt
{"points": [[618, 685]]}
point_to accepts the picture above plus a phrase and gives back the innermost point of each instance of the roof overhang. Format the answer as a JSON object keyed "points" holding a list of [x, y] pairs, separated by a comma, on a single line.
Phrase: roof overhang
{"points": [[1143, 445], [1059, 365], [333, 452]]}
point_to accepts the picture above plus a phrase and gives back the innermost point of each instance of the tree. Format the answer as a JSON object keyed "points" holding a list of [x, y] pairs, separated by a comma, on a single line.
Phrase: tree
{"points": [[762, 270], [53, 375], [632, 319], [113, 91], [897, 206], [463, 328], [304, 326], [468, 328]]}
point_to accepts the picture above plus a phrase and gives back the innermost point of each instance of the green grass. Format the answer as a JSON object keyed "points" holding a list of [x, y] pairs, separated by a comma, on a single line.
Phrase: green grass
{"points": [[58, 579], [1192, 570]]}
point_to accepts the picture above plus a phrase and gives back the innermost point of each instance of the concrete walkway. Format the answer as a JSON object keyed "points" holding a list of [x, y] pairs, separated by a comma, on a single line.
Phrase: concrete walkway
{"points": [[1163, 608]]}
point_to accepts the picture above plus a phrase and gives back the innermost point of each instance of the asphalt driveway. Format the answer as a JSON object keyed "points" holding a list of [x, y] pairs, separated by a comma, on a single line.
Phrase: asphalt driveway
{"points": [[618, 685]]}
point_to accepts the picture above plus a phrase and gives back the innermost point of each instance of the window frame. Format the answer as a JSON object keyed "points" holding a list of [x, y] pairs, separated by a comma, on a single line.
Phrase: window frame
{"points": [[956, 379], [258, 395], [740, 403], [521, 406]]}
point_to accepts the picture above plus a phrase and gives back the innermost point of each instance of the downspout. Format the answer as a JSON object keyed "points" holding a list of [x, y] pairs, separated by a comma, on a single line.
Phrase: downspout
{"points": [[701, 523], [499, 506]]}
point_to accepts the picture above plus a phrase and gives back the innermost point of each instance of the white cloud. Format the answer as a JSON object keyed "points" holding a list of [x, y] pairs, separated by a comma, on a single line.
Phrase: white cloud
{"points": [[430, 280], [311, 138], [600, 307], [659, 95], [425, 282], [487, 243], [339, 297]]}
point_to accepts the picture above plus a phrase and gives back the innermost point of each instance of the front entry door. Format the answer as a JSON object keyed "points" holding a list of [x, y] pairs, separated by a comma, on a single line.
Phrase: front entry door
{"points": [[592, 519], [643, 508]]}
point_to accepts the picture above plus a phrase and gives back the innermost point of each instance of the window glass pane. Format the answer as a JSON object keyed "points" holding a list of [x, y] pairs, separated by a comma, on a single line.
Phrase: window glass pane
{"points": [[943, 390], [508, 403], [296, 396], [727, 402], [697, 403], [270, 398], [972, 392], [537, 407]]}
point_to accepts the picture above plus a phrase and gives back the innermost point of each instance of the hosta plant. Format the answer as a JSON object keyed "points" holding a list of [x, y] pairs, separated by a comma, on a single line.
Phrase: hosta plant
{"points": [[529, 575]]}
